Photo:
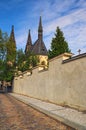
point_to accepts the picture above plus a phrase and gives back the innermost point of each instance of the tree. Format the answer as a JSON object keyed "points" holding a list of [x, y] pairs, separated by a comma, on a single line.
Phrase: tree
{"points": [[26, 61], [3, 40], [20, 60], [7, 57], [11, 52], [8, 72], [34, 60], [3, 52], [12, 60], [58, 44]]}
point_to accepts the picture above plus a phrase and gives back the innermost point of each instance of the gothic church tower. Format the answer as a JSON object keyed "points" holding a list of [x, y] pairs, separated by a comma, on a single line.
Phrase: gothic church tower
{"points": [[38, 48]]}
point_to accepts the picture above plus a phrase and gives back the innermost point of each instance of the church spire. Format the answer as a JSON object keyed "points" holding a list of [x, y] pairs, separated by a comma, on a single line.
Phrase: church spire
{"points": [[29, 43], [40, 29], [12, 36], [39, 47]]}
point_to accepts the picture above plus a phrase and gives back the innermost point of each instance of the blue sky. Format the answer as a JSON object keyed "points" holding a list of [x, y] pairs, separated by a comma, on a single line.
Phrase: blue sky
{"points": [[69, 15]]}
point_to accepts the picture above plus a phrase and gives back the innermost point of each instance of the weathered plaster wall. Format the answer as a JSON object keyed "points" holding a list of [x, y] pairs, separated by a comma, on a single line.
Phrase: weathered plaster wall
{"points": [[63, 84]]}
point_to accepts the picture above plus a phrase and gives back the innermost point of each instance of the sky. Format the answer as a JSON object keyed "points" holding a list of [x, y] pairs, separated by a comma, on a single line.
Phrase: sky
{"points": [[69, 15]]}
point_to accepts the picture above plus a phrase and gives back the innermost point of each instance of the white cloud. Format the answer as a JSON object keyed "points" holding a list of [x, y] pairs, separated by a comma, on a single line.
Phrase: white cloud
{"points": [[67, 15], [66, 20], [74, 35]]}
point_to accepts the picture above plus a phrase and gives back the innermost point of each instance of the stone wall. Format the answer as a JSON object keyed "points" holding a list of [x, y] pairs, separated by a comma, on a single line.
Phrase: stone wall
{"points": [[64, 82]]}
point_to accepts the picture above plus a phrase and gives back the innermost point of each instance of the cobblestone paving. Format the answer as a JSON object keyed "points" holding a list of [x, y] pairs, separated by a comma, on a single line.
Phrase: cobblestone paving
{"points": [[15, 115]]}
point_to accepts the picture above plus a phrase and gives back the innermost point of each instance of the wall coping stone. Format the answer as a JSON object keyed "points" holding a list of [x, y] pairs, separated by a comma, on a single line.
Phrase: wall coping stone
{"points": [[74, 58]]}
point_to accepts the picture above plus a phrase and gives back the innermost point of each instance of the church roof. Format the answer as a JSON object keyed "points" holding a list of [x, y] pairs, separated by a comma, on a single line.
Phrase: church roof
{"points": [[39, 48]]}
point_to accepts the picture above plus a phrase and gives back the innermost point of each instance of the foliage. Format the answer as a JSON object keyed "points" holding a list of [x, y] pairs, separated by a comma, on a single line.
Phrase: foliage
{"points": [[8, 72], [3, 40], [7, 55], [20, 59], [34, 60], [11, 51], [11, 60], [58, 44], [25, 62]]}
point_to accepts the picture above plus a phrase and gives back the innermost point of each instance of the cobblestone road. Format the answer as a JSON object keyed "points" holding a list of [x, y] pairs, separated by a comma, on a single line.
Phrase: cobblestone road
{"points": [[15, 115]]}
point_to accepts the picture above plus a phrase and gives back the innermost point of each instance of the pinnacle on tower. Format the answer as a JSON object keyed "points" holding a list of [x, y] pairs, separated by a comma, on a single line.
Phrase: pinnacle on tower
{"points": [[40, 29], [39, 47], [29, 43], [40, 25]]}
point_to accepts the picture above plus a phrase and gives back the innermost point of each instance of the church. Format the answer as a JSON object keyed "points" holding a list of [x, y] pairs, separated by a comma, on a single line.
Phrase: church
{"points": [[38, 48]]}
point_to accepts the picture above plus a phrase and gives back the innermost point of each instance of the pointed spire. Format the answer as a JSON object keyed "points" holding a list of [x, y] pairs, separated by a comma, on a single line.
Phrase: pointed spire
{"points": [[40, 25], [40, 29], [29, 43], [12, 36], [39, 47]]}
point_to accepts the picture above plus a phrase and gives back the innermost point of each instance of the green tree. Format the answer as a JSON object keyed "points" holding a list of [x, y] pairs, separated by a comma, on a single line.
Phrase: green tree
{"points": [[10, 62], [20, 60], [11, 52], [25, 61], [3, 40], [58, 44], [7, 57], [8, 72], [3, 52], [34, 60], [10, 58]]}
